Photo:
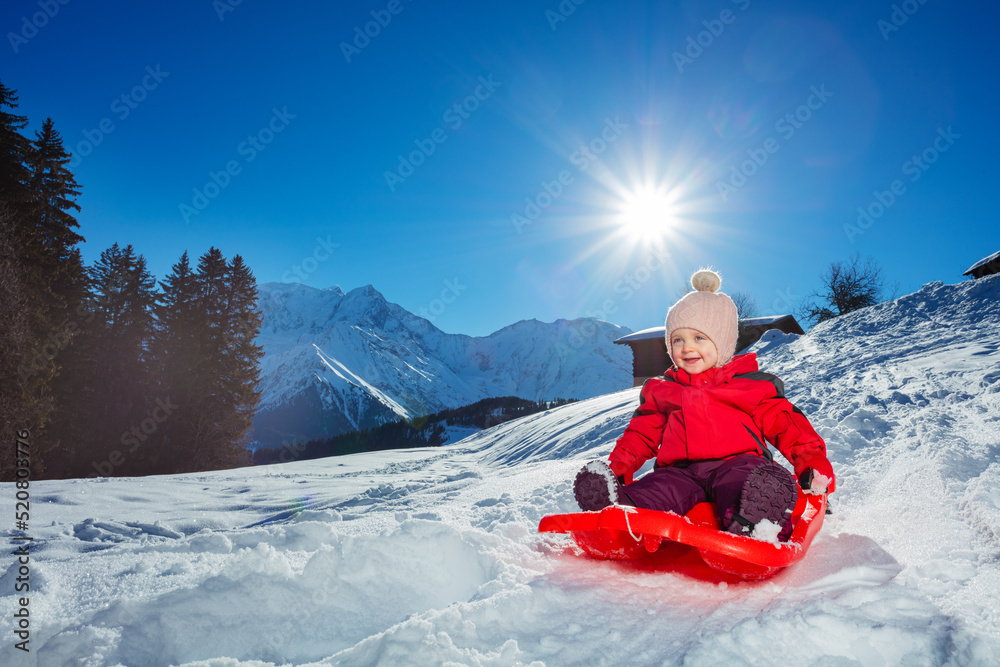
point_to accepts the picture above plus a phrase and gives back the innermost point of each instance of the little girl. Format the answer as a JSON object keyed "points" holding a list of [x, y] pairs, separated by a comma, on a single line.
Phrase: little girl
{"points": [[705, 421]]}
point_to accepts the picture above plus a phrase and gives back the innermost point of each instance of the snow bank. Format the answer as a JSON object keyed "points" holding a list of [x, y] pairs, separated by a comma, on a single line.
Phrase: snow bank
{"points": [[350, 587], [419, 557]]}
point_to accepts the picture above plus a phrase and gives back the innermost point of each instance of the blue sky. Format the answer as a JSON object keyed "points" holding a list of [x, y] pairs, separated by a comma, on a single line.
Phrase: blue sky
{"points": [[473, 161]]}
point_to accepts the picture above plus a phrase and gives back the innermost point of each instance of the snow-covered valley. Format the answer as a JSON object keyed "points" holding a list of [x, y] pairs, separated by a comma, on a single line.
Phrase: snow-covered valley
{"points": [[430, 556]]}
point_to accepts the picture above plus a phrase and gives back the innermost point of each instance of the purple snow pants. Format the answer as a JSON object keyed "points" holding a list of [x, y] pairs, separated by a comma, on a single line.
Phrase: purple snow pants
{"points": [[678, 488]]}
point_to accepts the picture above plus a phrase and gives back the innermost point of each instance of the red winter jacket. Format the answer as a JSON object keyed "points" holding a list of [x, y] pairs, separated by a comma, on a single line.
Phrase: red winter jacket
{"points": [[717, 414]]}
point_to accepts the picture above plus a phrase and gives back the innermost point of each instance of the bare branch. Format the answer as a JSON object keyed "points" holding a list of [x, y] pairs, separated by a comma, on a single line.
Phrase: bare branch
{"points": [[746, 305], [846, 287]]}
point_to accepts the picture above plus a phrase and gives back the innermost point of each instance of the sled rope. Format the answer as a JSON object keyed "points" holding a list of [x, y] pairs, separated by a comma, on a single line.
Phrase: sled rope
{"points": [[634, 536]]}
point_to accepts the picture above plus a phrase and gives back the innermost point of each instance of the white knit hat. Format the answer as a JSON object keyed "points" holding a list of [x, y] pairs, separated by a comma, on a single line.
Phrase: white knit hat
{"points": [[709, 311]]}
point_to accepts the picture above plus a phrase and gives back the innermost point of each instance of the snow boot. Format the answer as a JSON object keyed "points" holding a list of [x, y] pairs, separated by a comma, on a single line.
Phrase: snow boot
{"points": [[770, 493], [596, 487]]}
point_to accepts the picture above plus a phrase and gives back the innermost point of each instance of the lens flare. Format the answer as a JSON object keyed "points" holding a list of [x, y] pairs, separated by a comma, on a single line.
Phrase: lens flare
{"points": [[647, 214]]}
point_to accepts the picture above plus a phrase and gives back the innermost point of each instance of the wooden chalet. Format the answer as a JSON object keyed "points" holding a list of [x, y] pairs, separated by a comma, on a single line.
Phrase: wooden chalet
{"points": [[987, 266], [649, 349]]}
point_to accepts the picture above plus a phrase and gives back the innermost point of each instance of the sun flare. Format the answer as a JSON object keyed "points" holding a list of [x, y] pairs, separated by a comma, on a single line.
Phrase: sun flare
{"points": [[647, 214]]}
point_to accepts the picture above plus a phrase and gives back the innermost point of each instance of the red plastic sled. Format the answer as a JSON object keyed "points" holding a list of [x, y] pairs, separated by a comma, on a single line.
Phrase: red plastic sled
{"points": [[628, 533]]}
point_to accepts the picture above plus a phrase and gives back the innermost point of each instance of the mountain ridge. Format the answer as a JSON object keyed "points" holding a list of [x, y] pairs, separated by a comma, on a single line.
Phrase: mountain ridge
{"points": [[339, 361]]}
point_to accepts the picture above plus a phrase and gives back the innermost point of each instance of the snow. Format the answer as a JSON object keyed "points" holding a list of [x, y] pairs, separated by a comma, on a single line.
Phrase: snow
{"points": [[336, 367], [819, 485], [758, 321], [431, 556], [336, 362], [644, 334], [766, 531], [770, 338], [983, 262]]}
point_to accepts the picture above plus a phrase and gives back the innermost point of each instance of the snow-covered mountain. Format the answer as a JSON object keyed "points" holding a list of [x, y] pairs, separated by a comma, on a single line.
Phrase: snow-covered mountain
{"points": [[431, 557], [337, 362]]}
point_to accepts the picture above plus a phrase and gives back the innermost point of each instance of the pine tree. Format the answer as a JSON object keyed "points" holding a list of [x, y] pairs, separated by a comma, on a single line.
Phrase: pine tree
{"points": [[53, 191], [176, 351], [208, 362], [211, 434], [202, 436], [242, 357], [60, 285], [53, 194], [24, 401], [113, 403], [37, 193], [14, 149]]}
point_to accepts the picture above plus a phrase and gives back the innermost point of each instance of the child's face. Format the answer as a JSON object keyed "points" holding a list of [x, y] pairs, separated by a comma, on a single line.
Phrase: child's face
{"points": [[693, 351]]}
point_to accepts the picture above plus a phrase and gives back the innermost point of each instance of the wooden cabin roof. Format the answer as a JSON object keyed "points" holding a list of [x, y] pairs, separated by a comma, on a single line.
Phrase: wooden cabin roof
{"points": [[982, 263], [785, 322]]}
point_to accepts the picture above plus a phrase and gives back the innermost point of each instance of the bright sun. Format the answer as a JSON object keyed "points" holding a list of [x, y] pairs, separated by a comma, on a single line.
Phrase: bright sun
{"points": [[647, 214]]}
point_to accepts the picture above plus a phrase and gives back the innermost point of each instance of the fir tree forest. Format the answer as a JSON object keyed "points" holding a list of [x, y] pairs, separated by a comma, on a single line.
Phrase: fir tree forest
{"points": [[110, 371]]}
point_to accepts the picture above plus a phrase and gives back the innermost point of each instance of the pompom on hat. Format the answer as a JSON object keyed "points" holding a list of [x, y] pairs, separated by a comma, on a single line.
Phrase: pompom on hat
{"points": [[709, 311]]}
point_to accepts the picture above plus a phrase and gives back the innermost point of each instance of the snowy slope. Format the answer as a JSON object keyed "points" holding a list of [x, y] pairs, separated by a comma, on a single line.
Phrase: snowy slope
{"points": [[337, 362], [426, 557]]}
